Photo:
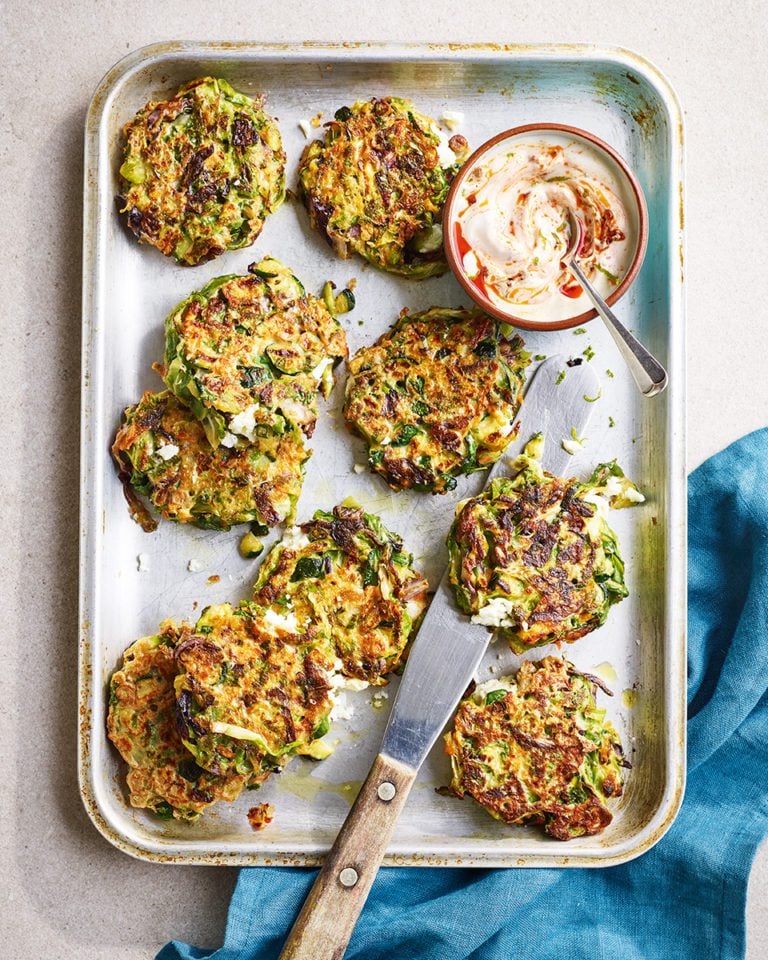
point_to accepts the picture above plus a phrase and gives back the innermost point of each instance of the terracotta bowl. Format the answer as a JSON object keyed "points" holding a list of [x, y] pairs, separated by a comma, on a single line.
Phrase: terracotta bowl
{"points": [[637, 213]]}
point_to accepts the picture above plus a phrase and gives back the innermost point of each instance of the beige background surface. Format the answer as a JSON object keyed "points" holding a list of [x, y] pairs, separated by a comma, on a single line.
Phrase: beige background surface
{"points": [[61, 883]]}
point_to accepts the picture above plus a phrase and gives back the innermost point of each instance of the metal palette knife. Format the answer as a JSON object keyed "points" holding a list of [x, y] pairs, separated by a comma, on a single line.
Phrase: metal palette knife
{"points": [[442, 662]]}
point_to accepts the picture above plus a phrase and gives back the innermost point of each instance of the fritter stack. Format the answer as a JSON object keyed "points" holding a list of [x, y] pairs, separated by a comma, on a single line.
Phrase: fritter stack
{"points": [[201, 713], [245, 359]]}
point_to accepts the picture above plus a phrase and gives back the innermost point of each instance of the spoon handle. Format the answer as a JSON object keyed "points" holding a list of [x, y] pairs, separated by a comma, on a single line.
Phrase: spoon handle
{"points": [[648, 373]]}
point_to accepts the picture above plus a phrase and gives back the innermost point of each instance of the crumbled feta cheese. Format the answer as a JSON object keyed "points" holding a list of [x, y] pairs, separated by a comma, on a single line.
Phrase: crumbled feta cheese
{"points": [[377, 700], [572, 446], [288, 622], [359, 468], [320, 369], [306, 129], [295, 539], [452, 119], [142, 562], [342, 709], [167, 451], [293, 410], [195, 566], [229, 440], [482, 690], [496, 613], [244, 423], [614, 487], [445, 155]]}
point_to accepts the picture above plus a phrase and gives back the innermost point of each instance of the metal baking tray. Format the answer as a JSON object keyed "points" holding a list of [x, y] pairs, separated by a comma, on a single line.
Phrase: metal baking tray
{"points": [[129, 289]]}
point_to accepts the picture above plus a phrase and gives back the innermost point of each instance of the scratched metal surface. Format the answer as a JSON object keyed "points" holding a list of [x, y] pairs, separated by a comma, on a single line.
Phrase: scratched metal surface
{"points": [[128, 290]]}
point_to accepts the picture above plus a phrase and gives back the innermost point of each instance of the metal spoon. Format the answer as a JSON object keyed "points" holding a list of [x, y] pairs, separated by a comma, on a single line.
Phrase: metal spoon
{"points": [[648, 373]]}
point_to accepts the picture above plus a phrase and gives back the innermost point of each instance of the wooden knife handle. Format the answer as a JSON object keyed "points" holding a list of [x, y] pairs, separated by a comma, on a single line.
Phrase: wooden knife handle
{"points": [[324, 926]]}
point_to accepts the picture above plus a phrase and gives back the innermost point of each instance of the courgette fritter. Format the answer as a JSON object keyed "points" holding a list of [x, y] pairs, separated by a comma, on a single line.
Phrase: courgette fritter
{"points": [[201, 171], [252, 351], [377, 183], [534, 556], [436, 397], [163, 454], [536, 748], [345, 572], [162, 775], [247, 352], [251, 691]]}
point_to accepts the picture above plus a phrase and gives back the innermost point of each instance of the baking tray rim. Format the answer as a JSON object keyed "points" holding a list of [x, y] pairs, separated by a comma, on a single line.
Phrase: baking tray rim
{"points": [[232, 854]]}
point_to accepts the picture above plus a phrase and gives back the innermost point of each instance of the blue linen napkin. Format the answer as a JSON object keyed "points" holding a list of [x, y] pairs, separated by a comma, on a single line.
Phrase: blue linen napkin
{"points": [[686, 896]]}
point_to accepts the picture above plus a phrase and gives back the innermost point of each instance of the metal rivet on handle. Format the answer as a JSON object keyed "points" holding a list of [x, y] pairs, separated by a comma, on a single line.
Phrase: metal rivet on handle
{"points": [[386, 791], [348, 877]]}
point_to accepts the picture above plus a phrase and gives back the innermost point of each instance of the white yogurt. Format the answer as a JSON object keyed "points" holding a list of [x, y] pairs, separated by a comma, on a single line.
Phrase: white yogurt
{"points": [[512, 227]]}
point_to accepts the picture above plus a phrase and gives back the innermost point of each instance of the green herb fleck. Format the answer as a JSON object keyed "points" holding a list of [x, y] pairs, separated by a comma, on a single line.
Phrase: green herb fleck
{"points": [[308, 568], [369, 571], [611, 422], [610, 373], [321, 728], [493, 696], [560, 378], [589, 352], [579, 330], [407, 432], [164, 810], [611, 276], [596, 397], [540, 356]]}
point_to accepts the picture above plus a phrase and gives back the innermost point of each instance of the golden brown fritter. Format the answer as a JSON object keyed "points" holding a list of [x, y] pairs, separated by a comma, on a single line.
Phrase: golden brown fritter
{"points": [[201, 171], [252, 352], [162, 775], [251, 691], [345, 572], [535, 748], [162, 453], [436, 397], [534, 556], [377, 183]]}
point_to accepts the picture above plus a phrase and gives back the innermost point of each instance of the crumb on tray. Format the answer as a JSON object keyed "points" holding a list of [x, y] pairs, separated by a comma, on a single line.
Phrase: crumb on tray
{"points": [[261, 816]]}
